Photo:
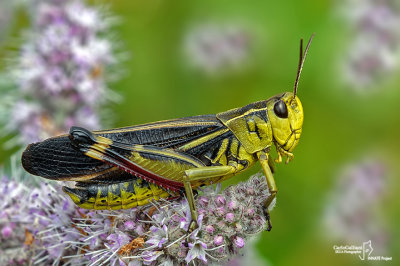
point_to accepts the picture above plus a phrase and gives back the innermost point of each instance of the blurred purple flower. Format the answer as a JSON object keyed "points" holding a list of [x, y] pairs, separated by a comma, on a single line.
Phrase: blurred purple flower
{"points": [[7, 231], [61, 71], [373, 55], [217, 49], [352, 213]]}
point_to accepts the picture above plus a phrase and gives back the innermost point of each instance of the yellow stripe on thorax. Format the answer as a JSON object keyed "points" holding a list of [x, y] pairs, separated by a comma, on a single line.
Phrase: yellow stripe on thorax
{"points": [[202, 140], [221, 151]]}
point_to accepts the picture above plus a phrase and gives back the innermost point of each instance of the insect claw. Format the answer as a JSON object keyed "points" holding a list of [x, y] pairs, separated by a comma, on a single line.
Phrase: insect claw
{"points": [[289, 158], [279, 159]]}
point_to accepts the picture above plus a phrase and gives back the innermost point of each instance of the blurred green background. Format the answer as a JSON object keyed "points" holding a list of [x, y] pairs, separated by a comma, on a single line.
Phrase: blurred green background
{"points": [[341, 126]]}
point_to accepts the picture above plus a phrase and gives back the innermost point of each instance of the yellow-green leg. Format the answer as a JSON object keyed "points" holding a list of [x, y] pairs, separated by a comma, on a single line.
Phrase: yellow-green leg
{"points": [[266, 166], [263, 158], [198, 174]]}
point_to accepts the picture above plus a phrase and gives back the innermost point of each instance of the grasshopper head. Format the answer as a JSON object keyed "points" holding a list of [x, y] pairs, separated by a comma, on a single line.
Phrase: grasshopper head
{"points": [[286, 115]]}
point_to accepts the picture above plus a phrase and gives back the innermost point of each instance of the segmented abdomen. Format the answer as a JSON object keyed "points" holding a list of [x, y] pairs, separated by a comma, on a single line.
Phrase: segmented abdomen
{"points": [[115, 196]]}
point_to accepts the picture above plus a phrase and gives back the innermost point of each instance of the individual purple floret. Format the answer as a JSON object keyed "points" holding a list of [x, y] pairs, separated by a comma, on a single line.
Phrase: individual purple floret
{"points": [[238, 241]]}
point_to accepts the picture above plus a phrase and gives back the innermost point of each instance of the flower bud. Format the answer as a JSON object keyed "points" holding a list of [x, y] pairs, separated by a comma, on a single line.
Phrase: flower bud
{"points": [[6, 231], [203, 201], [250, 191], [250, 212], [230, 217], [238, 227], [218, 240], [210, 229], [220, 201], [220, 211], [232, 205], [238, 241]]}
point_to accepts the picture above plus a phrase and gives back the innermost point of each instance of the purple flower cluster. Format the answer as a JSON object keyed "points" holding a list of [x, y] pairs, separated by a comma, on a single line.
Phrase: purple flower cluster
{"points": [[374, 53], [160, 234], [55, 231], [37, 221], [11, 234], [352, 214], [61, 70], [216, 49]]}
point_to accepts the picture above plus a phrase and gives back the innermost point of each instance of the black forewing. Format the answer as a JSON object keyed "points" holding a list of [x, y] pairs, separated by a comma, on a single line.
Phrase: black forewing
{"points": [[57, 158], [168, 134]]}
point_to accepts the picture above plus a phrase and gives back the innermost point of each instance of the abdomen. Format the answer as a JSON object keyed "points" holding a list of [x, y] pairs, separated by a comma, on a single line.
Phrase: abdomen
{"points": [[115, 196]]}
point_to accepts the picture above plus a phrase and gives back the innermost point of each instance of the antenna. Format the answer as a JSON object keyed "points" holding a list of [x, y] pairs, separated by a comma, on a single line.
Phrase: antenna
{"points": [[301, 63]]}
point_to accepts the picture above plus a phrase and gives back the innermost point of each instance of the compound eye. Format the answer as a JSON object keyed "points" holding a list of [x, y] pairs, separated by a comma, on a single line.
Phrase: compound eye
{"points": [[280, 109]]}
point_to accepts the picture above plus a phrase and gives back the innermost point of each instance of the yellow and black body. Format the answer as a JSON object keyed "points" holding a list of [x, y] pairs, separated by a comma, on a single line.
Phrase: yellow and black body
{"points": [[127, 167]]}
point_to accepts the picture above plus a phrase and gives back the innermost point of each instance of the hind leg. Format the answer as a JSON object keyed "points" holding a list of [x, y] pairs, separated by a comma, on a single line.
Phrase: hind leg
{"points": [[202, 174]]}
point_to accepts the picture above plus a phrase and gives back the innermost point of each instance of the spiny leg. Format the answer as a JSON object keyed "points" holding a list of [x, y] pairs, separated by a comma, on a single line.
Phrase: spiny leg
{"points": [[191, 202], [198, 174], [266, 213], [263, 158]]}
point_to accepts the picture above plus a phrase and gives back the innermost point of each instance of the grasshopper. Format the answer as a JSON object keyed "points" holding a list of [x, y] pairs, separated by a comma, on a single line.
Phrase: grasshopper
{"points": [[128, 167]]}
